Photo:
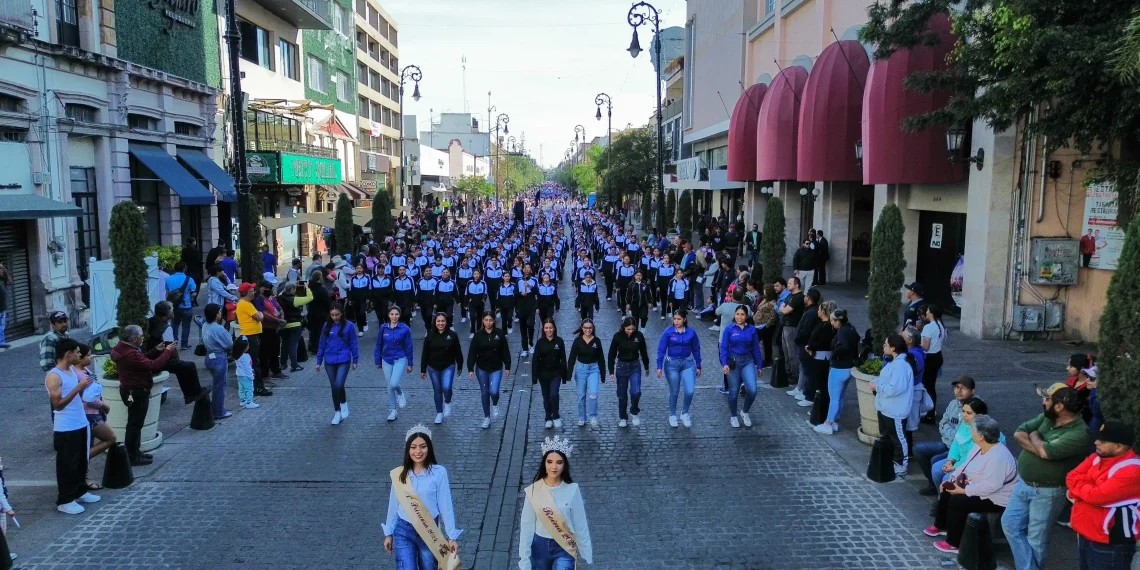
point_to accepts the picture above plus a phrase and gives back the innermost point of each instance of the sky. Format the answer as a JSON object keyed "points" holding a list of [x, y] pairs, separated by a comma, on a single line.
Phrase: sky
{"points": [[543, 61]]}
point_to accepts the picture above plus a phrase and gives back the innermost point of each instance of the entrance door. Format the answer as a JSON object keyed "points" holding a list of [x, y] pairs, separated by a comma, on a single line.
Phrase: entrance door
{"points": [[807, 215], [86, 225], [941, 239], [14, 256]]}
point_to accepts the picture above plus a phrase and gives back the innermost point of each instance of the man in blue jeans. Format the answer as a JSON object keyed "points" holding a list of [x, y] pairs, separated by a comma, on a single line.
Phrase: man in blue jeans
{"points": [[183, 310], [928, 453], [1053, 443]]}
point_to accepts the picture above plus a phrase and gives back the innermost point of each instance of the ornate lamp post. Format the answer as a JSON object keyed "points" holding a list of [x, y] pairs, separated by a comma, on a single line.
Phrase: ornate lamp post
{"points": [[501, 123], [408, 72], [639, 14], [512, 144], [237, 123]]}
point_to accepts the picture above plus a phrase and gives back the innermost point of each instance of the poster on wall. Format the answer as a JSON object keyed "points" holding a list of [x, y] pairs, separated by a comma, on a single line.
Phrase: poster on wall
{"points": [[1100, 225]]}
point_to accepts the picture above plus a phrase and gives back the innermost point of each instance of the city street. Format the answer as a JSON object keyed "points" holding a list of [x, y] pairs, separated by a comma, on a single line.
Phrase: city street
{"points": [[278, 487]]}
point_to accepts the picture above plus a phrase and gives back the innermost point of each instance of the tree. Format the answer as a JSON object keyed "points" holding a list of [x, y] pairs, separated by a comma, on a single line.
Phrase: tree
{"points": [[646, 211], [342, 225], [886, 281], [633, 167], [685, 215], [1119, 348], [382, 215], [773, 246], [662, 221], [475, 186], [127, 237], [255, 225], [670, 210]]}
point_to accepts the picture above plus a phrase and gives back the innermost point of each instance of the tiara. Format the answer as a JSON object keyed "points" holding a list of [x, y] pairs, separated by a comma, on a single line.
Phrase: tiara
{"points": [[559, 444], [418, 428]]}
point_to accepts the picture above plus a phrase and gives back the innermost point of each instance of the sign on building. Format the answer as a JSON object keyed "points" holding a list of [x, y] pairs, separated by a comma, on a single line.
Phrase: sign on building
{"points": [[1100, 218]]}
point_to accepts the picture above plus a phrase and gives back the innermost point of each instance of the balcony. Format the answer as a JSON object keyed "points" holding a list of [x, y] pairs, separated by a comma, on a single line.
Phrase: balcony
{"points": [[17, 13], [269, 145], [303, 14]]}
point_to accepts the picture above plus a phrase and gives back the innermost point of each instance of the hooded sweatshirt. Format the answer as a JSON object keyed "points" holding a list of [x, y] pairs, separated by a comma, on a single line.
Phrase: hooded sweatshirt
{"points": [[894, 389]]}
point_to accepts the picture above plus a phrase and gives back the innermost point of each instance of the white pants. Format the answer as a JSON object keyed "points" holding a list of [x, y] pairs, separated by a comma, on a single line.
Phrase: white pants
{"points": [[806, 279]]}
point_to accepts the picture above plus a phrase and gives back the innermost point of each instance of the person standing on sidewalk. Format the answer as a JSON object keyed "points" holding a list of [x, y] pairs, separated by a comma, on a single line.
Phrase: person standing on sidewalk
{"points": [[1105, 492], [136, 377], [548, 370], [71, 429], [292, 298], [339, 349], [893, 391], [5, 283], [216, 292], [192, 259], [249, 325], [394, 354], [804, 262], [59, 324], [179, 291], [218, 342], [933, 337], [1053, 443], [792, 310]]}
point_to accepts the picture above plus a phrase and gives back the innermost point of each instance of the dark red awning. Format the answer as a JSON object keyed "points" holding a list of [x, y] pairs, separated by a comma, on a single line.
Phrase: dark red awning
{"points": [[831, 109], [742, 134], [778, 126], [890, 154]]}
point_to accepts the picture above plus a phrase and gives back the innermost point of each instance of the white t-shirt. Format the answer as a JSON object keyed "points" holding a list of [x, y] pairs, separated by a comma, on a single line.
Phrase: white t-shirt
{"points": [[936, 332]]}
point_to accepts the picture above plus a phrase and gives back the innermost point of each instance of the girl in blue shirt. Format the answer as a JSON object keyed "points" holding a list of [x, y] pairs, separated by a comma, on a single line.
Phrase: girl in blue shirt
{"points": [[338, 350], [394, 354], [430, 481], [679, 361], [739, 356]]}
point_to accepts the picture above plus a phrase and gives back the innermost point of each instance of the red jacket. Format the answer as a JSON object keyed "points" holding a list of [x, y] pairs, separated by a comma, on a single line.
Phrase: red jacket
{"points": [[1106, 491], [1088, 245], [137, 369]]}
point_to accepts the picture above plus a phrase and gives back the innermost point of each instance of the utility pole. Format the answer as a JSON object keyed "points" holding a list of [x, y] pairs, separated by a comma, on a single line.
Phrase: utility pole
{"points": [[246, 243]]}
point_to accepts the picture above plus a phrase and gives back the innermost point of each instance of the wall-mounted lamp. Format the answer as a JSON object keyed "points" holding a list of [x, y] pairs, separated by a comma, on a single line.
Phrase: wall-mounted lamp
{"points": [[814, 193], [859, 151], [955, 140], [766, 190]]}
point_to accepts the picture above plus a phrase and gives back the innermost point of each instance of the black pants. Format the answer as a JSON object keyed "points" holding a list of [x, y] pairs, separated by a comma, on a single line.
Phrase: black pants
{"points": [[550, 397], [137, 401], [930, 377], [545, 311], [426, 312], [476, 316], [255, 359], [270, 353], [526, 324], [1085, 259], [892, 430], [315, 325], [586, 311], [610, 288], [380, 307], [953, 510], [623, 287], [187, 375], [508, 316], [820, 274], [664, 299], [623, 372], [70, 463], [359, 307], [641, 313], [766, 344]]}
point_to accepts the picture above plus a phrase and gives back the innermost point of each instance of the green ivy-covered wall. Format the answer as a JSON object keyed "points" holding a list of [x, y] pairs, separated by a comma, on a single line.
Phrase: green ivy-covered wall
{"points": [[179, 37], [339, 54]]}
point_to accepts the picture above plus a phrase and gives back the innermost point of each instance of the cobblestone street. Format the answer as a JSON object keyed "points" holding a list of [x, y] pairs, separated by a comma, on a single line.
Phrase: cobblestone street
{"points": [[278, 487]]}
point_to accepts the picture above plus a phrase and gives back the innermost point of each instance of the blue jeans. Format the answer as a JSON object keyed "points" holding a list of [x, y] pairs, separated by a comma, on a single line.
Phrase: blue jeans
{"points": [[338, 375], [412, 553], [836, 385], [3, 327], [394, 371], [1093, 555], [181, 322], [441, 381], [937, 476], [628, 375], [745, 371], [678, 370], [218, 366], [587, 380], [546, 554], [1027, 521], [489, 388]]}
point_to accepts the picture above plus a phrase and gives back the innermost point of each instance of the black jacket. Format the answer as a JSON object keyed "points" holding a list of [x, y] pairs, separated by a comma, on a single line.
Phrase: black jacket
{"points": [[807, 325], [489, 351], [441, 350], [627, 348], [821, 336], [844, 347], [639, 296], [292, 313], [320, 305], [804, 260], [585, 353], [549, 360]]}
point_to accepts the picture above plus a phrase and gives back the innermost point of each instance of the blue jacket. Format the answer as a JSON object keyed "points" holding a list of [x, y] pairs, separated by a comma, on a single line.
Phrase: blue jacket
{"points": [[740, 341], [894, 389], [393, 344], [338, 346], [679, 345]]}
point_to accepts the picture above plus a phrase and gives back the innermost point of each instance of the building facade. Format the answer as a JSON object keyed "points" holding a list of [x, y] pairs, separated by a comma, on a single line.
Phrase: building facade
{"points": [[378, 95]]}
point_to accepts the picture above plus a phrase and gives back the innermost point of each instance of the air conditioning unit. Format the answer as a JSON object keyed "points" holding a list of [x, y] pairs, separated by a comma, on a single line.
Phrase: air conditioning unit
{"points": [[1028, 318]]}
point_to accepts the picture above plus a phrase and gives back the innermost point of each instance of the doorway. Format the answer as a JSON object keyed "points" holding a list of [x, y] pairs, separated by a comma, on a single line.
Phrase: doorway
{"points": [[941, 240], [14, 256]]}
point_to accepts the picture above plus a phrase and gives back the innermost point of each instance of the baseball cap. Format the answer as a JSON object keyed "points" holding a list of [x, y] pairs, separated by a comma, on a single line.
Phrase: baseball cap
{"points": [[270, 277], [916, 287], [964, 381], [1048, 392], [58, 317], [1091, 371], [245, 288], [1115, 432]]}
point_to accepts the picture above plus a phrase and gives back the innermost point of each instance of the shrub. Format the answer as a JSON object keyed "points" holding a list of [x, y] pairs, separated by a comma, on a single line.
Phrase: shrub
{"points": [[168, 255], [887, 265], [110, 369], [1119, 340], [127, 237], [871, 367], [685, 215], [671, 209], [772, 244], [661, 222], [381, 215], [342, 225]]}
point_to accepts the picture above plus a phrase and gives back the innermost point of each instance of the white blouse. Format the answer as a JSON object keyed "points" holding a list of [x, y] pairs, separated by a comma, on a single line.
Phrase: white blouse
{"points": [[568, 498]]}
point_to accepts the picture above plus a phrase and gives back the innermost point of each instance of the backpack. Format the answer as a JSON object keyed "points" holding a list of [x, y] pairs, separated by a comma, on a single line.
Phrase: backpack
{"points": [[178, 295]]}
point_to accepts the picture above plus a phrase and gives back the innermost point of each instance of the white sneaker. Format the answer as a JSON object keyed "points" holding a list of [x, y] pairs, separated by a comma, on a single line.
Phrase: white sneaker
{"points": [[463, 320], [523, 354], [673, 421], [823, 428], [439, 418], [472, 335], [251, 405], [359, 333], [558, 424], [622, 423], [793, 392], [365, 328], [593, 422], [687, 420], [89, 498], [344, 410], [744, 418], [486, 423], [494, 411], [734, 422], [447, 410], [800, 396], [662, 317], [72, 508], [402, 401], [714, 328], [549, 424], [336, 419], [581, 423], [634, 420], [392, 416], [803, 403]]}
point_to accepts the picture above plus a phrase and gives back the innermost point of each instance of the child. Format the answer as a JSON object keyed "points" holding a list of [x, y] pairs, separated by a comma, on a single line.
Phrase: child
{"points": [[244, 373], [5, 507], [231, 306]]}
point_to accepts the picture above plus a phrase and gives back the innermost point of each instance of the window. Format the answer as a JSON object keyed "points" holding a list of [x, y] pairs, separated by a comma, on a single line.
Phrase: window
{"points": [[255, 46], [289, 65], [362, 73], [81, 113], [10, 104], [374, 50], [374, 80], [9, 134], [86, 224], [187, 129], [362, 106], [362, 8], [392, 37], [361, 40], [142, 122], [343, 88], [395, 65], [386, 117], [376, 114], [386, 145], [341, 21], [769, 7], [373, 18], [386, 88], [67, 22], [318, 77]]}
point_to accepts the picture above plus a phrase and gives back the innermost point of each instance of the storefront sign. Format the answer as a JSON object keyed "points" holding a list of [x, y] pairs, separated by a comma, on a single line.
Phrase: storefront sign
{"points": [[300, 169], [936, 236], [368, 184], [261, 167], [1100, 218], [184, 12]]}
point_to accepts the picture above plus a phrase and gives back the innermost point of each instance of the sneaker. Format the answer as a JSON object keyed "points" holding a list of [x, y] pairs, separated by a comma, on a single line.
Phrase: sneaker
{"points": [[138, 461], [402, 401], [687, 420], [804, 404], [486, 423], [673, 421], [523, 354], [734, 422], [933, 531], [262, 392], [297, 369], [447, 410], [89, 498], [662, 317], [746, 419], [633, 419], [251, 405], [549, 424], [945, 547], [1065, 524], [439, 418], [336, 418], [365, 328], [800, 396], [792, 392], [392, 416], [622, 423], [359, 333], [558, 424], [823, 428], [72, 508], [225, 414], [594, 422], [494, 411], [723, 391], [581, 423], [344, 410], [472, 335], [463, 320]]}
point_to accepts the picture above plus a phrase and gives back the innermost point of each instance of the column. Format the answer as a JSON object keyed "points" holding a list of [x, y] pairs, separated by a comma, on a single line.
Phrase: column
{"points": [[833, 213], [789, 192]]}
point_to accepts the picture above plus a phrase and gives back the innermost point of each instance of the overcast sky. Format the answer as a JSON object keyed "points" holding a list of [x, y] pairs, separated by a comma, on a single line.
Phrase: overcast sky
{"points": [[543, 61]]}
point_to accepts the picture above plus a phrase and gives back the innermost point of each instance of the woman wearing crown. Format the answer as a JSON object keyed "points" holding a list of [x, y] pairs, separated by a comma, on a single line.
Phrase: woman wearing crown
{"points": [[420, 526], [553, 532]]}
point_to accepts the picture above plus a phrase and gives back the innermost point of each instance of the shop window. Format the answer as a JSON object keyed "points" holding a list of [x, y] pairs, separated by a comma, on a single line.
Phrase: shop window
{"points": [[142, 122], [81, 113]]}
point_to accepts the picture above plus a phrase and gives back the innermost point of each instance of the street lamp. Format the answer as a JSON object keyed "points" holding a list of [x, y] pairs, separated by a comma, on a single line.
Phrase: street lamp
{"points": [[511, 142], [501, 123], [237, 123], [605, 99], [637, 18], [955, 140], [408, 72]]}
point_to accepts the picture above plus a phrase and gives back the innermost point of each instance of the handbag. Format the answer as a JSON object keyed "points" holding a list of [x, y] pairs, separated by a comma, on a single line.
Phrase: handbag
{"points": [[176, 296], [200, 350]]}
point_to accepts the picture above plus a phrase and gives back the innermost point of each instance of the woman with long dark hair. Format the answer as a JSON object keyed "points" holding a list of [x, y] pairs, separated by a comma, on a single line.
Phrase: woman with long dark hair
{"points": [[933, 336], [422, 483], [740, 356], [554, 503], [548, 370], [894, 390], [395, 355], [627, 346], [638, 298], [441, 357], [489, 360], [585, 364], [476, 293], [527, 303], [679, 362], [338, 351], [765, 321], [844, 350], [318, 309]]}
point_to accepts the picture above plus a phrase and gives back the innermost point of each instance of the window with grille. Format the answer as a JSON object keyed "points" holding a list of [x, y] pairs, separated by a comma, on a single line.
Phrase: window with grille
{"points": [[142, 122], [8, 134], [10, 104], [187, 129], [81, 113], [318, 76], [289, 63], [343, 89]]}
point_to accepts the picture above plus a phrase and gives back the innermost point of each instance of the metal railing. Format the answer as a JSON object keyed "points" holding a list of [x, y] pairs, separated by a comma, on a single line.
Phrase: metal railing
{"points": [[268, 145]]}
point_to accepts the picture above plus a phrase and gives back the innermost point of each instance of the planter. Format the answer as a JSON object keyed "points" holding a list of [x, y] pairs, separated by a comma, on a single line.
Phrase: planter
{"points": [[868, 416], [117, 417]]}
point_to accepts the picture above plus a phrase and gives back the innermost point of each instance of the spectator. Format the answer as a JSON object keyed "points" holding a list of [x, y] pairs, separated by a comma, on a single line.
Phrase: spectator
{"points": [[315, 266], [822, 255], [192, 259], [294, 274], [6, 510], [727, 310], [5, 283], [180, 291], [272, 319], [765, 321], [926, 453], [1105, 492], [185, 372], [268, 260], [817, 352], [803, 262], [792, 310], [136, 377], [230, 266], [806, 385], [249, 325], [962, 443], [216, 291], [752, 244], [982, 484], [218, 342], [920, 404], [59, 324], [292, 298], [912, 317], [893, 391], [318, 311], [71, 430], [215, 254], [933, 337], [95, 409], [1053, 443], [844, 350]]}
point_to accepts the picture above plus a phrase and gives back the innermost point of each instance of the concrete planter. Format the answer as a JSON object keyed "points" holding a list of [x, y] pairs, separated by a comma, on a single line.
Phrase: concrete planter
{"points": [[868, 416], [117, 417]]}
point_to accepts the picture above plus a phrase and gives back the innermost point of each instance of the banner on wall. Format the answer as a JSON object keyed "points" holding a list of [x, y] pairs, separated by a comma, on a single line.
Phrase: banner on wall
{"points": [[1100, 223]]}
